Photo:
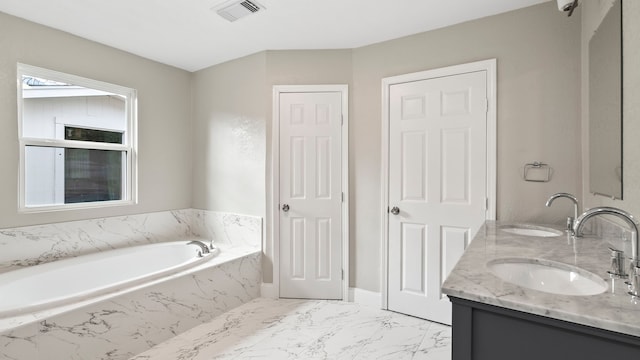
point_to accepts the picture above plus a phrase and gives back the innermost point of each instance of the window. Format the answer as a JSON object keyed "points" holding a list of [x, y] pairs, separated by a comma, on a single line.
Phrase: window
{"points": [[77, 141]]}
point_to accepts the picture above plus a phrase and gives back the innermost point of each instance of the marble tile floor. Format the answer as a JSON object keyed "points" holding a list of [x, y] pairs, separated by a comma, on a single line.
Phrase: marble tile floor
{"points": [[307, 329]]}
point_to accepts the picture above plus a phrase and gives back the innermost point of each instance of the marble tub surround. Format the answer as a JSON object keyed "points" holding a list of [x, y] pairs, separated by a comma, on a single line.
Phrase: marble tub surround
{"points": [[222, 257], [227, 229], [470, 279], [128, 321], [32, 245], [121, 326], [307, 329]]}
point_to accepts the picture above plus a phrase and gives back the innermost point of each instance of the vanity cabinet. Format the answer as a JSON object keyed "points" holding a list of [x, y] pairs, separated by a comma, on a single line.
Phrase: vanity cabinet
{"points": [[487, 332]]}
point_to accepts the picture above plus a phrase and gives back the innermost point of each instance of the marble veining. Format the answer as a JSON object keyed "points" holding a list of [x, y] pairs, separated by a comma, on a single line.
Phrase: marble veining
{"points": [[119, 325], [470, 279], [307, 329], [226, 228], [32, 245]]}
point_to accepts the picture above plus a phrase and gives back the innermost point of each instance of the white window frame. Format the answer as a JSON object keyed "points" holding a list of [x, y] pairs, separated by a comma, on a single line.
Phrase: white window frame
{"points": [[129, 145]]}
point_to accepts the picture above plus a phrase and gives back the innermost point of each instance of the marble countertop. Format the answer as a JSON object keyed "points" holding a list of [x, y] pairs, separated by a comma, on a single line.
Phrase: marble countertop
{"points": [[470, 279]]}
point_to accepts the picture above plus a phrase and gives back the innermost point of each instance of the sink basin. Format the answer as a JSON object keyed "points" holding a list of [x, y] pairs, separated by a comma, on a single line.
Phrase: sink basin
{"points": [[531, 230], [548, 276]]}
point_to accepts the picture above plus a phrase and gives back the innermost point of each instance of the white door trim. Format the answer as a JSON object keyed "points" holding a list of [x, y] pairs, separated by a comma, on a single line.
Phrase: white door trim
{"points": [[275, 177], [486, 65]]}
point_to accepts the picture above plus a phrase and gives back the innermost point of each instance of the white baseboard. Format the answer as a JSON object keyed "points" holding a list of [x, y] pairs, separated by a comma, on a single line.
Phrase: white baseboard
{"points": [[268, 291], [365, 297], [359, 296]]}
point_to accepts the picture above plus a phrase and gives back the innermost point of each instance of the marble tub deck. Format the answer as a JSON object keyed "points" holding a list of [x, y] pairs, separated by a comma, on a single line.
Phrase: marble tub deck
{"points": [[307, 329]]}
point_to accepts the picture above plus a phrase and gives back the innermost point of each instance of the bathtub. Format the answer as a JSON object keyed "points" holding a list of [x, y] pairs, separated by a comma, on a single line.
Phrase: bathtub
{"points": [[84, 277], [131, 312]]}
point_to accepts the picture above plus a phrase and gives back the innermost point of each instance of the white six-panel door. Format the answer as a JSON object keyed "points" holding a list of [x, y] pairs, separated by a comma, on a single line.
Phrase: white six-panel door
{"points": [[310, 195], [437, 186]]}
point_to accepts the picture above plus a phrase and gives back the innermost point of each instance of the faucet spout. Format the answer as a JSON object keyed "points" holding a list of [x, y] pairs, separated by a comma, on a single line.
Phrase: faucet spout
{"points": [[568, 196], [204, 249], [605, 210], [570, 220]]}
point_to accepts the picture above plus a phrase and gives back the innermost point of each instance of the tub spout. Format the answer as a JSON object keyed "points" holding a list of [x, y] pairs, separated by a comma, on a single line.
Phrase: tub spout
{"points": [[204, 249]]}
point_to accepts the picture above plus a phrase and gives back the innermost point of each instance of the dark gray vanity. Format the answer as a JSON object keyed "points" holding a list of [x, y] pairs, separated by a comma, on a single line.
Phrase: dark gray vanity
{"points": [[496, 319], [486, 332]]}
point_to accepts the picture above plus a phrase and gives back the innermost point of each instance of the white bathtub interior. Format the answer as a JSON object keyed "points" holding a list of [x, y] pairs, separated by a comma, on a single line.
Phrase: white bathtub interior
{"points": [[71, 280]]}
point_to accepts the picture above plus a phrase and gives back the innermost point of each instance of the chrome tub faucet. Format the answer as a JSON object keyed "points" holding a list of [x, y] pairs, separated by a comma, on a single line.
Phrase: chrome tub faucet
{"points": [[204, 249]]}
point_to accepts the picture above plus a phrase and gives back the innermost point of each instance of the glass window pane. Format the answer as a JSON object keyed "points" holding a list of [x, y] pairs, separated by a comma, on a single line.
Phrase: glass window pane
{"points": [[50, 107], [92, 175], [63, 176], [76, 133], [40, 175]]}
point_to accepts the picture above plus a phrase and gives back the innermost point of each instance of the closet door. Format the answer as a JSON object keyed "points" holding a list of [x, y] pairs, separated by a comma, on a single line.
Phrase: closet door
{"points": [[437, 186]]}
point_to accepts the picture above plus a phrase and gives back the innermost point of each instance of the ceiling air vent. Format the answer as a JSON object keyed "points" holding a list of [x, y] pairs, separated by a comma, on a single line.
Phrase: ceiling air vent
{"points": [[236, 9]]}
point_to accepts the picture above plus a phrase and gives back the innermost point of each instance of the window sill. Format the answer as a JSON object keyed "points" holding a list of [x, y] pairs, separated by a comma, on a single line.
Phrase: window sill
{"points": [[75, 206]]}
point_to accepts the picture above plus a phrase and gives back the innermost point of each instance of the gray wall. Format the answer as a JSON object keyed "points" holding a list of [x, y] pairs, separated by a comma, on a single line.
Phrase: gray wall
{"points": [[163, 107], [229, 107]]}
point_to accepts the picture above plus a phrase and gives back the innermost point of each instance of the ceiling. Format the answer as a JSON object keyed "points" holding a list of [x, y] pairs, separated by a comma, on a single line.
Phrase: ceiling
{"points": [[187, 34]]}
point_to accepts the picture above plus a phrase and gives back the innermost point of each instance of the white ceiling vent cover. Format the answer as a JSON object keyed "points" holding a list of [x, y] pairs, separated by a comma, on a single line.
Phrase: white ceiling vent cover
{"points": [[236, 9]]}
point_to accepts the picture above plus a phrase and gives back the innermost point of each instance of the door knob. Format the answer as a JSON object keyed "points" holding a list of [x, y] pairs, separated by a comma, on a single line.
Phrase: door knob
{"points": [[285, 207], [395, 210]]}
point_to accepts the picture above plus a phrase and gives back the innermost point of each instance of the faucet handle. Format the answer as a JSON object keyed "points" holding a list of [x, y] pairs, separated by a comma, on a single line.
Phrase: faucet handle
{"points": [[616, 252], [617, 264], [632, 269], [570, 224]]}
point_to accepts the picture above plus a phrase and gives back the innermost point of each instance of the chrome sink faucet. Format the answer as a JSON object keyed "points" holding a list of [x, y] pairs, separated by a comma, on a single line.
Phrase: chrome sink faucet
{"points": [[570, 220], [634, 266]]}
